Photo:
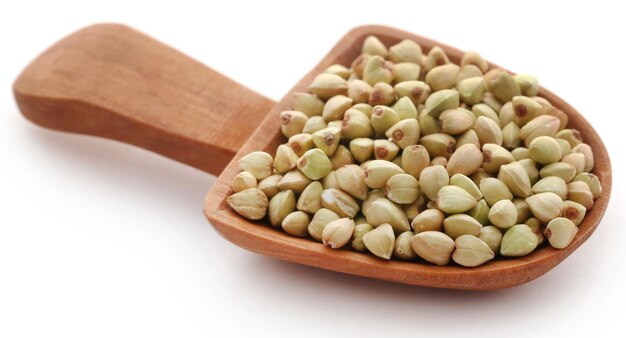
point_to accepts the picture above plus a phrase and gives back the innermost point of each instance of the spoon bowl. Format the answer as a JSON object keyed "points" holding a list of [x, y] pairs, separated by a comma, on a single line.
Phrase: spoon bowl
{"points": [[112, 81]]}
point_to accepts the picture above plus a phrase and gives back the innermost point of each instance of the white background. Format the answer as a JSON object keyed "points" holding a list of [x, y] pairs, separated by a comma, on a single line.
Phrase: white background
{"points": [[100, 239]]}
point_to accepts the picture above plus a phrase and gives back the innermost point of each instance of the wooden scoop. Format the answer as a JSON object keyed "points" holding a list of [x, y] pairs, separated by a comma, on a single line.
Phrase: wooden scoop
{"points": [[114, 82]]}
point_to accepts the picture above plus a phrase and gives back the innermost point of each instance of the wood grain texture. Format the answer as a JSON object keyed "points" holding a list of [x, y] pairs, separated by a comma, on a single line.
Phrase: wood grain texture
{"points": [[500, 273], [112, 81]]}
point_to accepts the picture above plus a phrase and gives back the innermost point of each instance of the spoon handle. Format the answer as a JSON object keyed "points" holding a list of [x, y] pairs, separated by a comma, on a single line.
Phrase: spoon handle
{"points": [[112, 81]]}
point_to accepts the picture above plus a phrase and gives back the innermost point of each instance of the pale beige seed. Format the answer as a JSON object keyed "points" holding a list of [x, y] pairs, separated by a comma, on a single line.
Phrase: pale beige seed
{"points": [[519, 240], [467, 72], [433, 246], [258, 163], [506, 114], [301, 143], [466, 184], [244, 180], [592, 181], [572, 136], [414, 159], [560, 232], [436, 57], [405, 108], [573, 211], [401, 188], [360, 229], [404, 133], [520, 153], [585, 149], [413, 209], [328, 85], [339, 202], [380, 241], [416, 91], [372, 195], [492, 236], [402, 248], [280, 206], [432, 179], [545, 206], [338, 233], [342, 157], [543, 125], [468, 137], [577, 160], [510, 136], [294, 180], [480, 212], [269, 185], [487, 111], [359, 91], [296, 223], [285, 159], [405, 71], [473, 58], [438, 144], [472, 89], [382, 94], [516, 178], [503, 214], [488, 131], [292, 122], [250, 203], [406, 51], [340, 70], [523, 211], [321, 218], [490, 100], [525, 109], [373, 46], [330, 181], [377, 70], [494, 156], [563, 170], [537, 227], [428, 220], [470, 251], [383, 211], [442, 77], [428, 124], [441, 100], [528, 84], [465, 160], [362, 149], [327, 139], [579, 192], [383, 118], [494, 190], [307, 103], [356, 124], [501, 84], [453, 200], [461, 224], [552, 184], [377, 172], [310, 199], [545, 150], [358, 64], [335, 107], [531, 169], [351, 179]]}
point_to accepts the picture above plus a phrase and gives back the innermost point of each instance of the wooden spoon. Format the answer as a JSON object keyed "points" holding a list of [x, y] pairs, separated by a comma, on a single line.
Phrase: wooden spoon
{"points": [[114, 82]]}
